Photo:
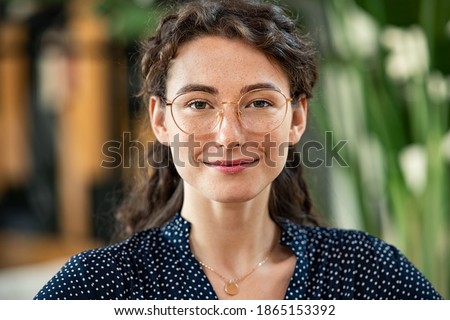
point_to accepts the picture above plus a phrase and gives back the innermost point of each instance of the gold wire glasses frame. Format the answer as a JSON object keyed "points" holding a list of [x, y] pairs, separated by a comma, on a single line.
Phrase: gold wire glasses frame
{"points": [[199, 112]]}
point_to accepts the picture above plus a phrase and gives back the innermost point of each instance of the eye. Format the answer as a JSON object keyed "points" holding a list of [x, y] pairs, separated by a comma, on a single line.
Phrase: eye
{"points": [[260, 104], [198, 105]]}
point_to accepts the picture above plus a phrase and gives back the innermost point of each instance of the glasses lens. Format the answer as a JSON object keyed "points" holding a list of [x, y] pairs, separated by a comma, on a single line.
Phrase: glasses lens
{"points": [[262, 110], [196, 112], [199, 112]]}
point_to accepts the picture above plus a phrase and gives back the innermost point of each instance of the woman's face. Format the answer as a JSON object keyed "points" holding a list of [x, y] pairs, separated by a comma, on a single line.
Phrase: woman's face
{"points": [[230, 163]]}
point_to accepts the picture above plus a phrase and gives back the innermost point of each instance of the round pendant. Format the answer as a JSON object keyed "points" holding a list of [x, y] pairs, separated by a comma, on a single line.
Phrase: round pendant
{"points": [[231, 288]]}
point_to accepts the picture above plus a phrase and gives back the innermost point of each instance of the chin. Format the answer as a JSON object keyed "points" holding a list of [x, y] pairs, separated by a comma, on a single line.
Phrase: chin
{"points": [[232, 198], [234, 193]]}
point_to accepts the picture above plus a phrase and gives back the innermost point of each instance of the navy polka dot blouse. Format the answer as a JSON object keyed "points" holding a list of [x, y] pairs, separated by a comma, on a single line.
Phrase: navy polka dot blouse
{"points": [[158, 264]]}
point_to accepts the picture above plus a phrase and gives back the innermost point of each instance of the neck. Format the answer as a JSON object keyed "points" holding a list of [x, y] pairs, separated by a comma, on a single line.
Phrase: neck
{"points": [[230, 237]]}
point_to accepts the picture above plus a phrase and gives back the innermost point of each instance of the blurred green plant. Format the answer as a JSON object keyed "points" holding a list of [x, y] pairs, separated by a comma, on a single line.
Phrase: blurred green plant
{"points": [[381, 92], [131, 20]]}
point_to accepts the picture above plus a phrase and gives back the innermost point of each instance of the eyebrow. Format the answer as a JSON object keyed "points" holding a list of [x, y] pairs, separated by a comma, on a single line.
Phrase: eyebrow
{"points": [[263, 85], [197, 87], [215, 91]]}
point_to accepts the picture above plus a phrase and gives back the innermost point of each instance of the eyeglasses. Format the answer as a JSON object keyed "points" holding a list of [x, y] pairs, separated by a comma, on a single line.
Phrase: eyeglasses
{"points": [[199, 112]]}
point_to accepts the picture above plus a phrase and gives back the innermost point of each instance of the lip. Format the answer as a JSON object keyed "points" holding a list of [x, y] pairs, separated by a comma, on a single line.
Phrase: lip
{"points": [[233, 166]]}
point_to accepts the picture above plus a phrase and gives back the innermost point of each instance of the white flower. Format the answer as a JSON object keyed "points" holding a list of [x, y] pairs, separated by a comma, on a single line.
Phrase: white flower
{"points": [[413, 163], [354, 34], [437, 87], [363, 31], [408, 52]]}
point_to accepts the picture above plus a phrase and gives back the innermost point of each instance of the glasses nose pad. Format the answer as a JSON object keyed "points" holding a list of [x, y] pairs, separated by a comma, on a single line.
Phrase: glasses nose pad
{"points": [[218, 120], [221, 114], [239, 114]]}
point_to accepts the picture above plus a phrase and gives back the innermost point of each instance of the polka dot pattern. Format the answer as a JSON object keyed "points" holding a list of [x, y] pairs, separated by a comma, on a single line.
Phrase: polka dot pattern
{"points": [[158, 264]]}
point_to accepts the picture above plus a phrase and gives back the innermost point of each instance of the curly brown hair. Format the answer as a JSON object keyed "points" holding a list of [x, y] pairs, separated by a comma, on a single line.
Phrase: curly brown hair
{"points": [[267, 27]]}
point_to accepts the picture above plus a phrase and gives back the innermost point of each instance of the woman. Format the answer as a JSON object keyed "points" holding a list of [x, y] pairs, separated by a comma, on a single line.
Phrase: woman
{"points": [[226, 213]]}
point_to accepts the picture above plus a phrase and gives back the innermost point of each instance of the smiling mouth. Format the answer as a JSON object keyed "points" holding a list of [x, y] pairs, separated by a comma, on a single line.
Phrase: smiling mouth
{"points": [[233, 163]]}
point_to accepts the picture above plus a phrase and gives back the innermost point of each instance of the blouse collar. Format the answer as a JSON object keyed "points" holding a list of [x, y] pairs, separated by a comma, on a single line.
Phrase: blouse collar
{"points": [[177, 230]]}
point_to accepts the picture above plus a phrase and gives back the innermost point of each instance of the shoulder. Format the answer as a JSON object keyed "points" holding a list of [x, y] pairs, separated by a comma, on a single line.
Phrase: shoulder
{"points": [[142, 245], [339, 240], [357, 265], [104, 273], [351, 248]]}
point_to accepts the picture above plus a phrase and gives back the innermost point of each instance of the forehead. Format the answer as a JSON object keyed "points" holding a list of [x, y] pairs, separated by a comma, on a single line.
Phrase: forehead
{"points": [[226, 64]]}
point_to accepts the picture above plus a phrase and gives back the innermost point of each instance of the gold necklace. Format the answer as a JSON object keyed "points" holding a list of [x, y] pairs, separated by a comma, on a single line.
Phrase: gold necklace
{"points": [[231, 286]]}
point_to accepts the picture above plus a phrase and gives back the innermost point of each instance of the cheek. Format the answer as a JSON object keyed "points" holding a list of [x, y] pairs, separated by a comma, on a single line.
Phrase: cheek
{"points": [[275, 146], [183, 148], [276, 159]]}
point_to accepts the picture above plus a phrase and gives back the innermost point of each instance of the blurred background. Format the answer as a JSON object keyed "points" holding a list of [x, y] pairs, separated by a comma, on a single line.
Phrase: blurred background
{"points": [[68, 82]]}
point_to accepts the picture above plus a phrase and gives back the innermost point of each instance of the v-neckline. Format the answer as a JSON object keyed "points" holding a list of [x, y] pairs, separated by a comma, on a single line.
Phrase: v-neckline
{"points": [[183, 250]]}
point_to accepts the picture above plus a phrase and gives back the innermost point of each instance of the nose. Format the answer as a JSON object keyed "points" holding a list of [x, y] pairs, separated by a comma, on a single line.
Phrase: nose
{"points": [[230, 132]]}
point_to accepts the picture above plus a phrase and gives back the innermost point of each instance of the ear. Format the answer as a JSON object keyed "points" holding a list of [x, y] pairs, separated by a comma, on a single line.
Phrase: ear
{"points": [[158, 120], [299, 115]]}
